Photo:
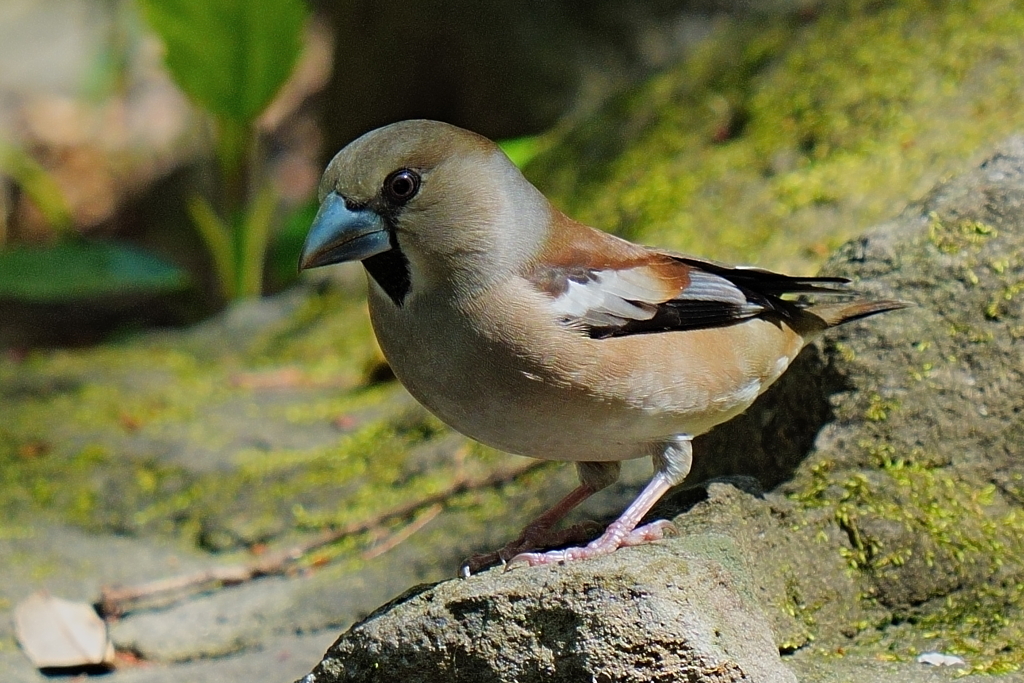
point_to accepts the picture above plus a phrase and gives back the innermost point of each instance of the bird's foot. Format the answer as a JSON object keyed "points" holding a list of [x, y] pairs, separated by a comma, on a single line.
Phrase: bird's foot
{"points": [[615, 537], [532, 538], [655, 531]]}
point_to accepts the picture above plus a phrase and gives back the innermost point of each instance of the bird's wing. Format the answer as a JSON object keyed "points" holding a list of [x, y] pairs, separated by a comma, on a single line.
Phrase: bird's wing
{"points": [[659, 292]]}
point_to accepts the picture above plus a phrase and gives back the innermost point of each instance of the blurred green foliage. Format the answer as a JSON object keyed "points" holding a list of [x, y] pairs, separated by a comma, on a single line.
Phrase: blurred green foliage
{"points": [[231, 57], [287, 244], [73, 268], [37, 184], [83, 269]]}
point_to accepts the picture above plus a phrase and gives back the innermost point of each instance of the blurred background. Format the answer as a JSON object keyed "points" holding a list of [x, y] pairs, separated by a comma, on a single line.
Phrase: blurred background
{"points": [[159, 159], [174, 397]]}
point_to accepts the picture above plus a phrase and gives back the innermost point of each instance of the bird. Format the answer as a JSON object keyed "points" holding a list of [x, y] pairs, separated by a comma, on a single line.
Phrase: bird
{"points": [[537, 335]]}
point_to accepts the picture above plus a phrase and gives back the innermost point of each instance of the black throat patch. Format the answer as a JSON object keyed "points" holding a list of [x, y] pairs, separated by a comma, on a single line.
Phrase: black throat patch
{"points": [[390, 270]]}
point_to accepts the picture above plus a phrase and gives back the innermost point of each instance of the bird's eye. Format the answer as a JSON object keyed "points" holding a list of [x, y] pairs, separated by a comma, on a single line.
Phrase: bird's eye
{"points": [[402, 185]]}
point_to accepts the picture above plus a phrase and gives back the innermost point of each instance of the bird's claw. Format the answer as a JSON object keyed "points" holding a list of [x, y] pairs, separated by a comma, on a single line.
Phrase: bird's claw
{"points": [[513, 564]]}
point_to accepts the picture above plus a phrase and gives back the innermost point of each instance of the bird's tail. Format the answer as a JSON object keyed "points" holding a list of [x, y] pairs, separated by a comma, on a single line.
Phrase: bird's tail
{"points": [[839, 313]]}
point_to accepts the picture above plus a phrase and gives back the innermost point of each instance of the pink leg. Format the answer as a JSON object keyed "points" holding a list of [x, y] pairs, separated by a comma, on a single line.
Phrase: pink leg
{"points": [[672, 467], [539, 533]]}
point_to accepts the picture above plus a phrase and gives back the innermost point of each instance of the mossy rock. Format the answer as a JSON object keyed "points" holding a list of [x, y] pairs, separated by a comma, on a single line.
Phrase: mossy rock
{"points": [[777, 141], [897, 441], [772, 145], [898, 530], [251, 428]]}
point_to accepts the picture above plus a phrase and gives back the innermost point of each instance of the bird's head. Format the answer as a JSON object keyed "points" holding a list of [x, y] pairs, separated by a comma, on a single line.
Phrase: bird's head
{"points": [[425, 204]]}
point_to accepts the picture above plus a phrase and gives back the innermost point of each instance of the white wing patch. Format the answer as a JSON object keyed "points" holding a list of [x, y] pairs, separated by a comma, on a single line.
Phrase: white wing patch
{"points": [[610, 298]]}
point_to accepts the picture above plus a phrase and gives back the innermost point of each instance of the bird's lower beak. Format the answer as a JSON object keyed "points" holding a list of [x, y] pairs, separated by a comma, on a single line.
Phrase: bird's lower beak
{"points": [[339, 234]]}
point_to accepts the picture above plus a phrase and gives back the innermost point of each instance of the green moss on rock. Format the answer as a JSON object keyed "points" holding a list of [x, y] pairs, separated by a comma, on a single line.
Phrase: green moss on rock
{"points": [[942, 556], [775, 143], [231, 434]]}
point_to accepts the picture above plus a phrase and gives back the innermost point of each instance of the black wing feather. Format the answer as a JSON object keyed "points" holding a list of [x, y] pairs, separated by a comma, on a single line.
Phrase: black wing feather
{"points": [[711, 295]]}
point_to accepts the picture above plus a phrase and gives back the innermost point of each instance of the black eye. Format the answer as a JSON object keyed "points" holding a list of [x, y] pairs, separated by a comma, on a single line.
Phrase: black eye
{"points": [[402, 185]]}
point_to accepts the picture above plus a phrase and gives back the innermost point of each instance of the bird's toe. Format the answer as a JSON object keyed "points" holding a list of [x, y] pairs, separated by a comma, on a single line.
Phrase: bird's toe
{"points": [[655, 531]]}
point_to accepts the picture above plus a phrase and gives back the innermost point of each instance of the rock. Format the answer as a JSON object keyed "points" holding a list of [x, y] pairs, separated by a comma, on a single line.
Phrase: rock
{"points": [[895, 526], [905, 432], [932, 410], [680, 610]]}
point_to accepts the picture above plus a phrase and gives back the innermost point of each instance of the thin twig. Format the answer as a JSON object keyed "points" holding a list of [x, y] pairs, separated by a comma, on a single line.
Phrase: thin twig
{"points": [[118, 600], [405, 532]]}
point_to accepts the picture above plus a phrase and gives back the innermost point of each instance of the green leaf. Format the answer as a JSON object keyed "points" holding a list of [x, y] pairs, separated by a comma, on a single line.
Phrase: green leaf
{"points": [[218, 238], [255, 237], [230, 56], [78, 269]]}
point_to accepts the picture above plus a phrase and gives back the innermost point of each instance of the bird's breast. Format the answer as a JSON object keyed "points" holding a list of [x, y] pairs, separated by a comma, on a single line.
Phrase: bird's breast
{"points": [[501, 370]]}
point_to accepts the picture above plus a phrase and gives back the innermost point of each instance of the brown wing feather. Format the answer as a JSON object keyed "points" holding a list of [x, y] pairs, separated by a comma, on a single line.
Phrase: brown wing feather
{"points": [[607, 287]]}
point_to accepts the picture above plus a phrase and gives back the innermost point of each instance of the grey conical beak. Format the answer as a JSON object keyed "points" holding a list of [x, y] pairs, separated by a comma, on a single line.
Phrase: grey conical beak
{"points": [[341, 234]]}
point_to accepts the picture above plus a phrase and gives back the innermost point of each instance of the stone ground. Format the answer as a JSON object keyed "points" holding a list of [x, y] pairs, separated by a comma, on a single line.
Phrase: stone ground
{"points": [[278, 627]]}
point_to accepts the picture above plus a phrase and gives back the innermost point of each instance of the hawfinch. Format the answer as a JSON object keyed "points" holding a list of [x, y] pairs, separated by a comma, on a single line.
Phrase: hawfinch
{"points": [[535, 334]]}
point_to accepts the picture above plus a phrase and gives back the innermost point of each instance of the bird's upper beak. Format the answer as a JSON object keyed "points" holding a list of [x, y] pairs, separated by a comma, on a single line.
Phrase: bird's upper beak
{"points": [[340, 234]]}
